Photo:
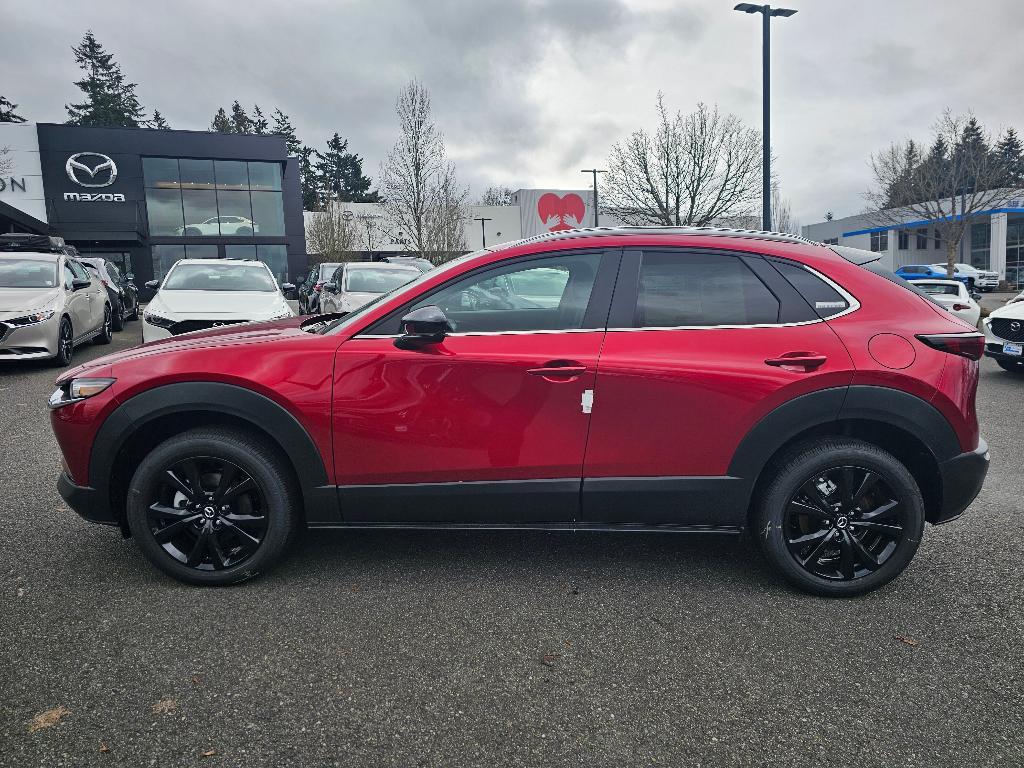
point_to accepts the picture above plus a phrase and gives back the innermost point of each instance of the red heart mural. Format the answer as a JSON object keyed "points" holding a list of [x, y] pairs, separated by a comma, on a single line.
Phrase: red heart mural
{"points": [[551, 206]]}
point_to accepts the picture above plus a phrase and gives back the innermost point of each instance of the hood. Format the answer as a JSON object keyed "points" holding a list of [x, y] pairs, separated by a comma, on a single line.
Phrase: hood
{"points": [[18, 301], [1013, 311], [233, 305]]}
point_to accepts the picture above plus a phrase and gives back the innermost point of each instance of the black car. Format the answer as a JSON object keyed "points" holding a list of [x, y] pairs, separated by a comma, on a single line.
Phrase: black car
{"points": [[305, 290], [124, 295], [309, 291]]}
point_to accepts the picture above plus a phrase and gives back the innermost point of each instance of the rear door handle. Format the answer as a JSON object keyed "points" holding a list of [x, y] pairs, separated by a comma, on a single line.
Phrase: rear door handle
{"points": [[806, 360]]}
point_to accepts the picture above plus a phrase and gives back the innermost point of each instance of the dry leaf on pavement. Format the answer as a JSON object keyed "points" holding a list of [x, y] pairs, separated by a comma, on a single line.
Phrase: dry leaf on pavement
{"points": [[164, 706], [48, 718]]}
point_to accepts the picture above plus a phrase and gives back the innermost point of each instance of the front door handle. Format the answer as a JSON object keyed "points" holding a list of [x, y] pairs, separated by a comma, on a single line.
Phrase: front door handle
{"points": [[559, 370], [808, 361]]}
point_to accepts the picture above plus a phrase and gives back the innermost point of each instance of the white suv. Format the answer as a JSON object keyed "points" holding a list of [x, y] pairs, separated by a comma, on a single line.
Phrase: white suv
{"points": [[198, 294], [982, 279]]}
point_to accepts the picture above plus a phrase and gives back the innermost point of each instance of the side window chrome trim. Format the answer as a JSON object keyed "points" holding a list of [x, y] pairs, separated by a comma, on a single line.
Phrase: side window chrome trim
{"points": [[486, 333]]}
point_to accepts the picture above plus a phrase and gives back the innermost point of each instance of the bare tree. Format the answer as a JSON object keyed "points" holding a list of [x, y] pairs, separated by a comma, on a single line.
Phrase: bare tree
{"points": [[696, 168], [782, 216], [499, 195], [331, 235], [957, 179], [421, 194]]}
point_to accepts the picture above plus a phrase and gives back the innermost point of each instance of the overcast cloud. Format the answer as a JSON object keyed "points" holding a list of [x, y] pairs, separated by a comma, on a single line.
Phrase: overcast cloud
{"points": [[527, 92]]}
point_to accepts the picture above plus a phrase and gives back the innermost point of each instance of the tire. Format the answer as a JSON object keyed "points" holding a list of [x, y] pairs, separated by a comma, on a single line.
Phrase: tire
{"points": [[193, 232], [1012, 367], [846, 550], [106, 334], [243, 231], [267, 510], [65, 344], [135, 311], [117, 318]]}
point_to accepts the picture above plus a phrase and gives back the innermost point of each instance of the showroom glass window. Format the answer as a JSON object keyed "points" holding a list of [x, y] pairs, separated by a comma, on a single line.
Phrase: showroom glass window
{"points": [[213, 198]]}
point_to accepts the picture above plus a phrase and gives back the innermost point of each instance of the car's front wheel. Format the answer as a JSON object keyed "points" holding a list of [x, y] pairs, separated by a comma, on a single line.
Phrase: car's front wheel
{"points": [[65, 344], [212, 506], [839, 517]]}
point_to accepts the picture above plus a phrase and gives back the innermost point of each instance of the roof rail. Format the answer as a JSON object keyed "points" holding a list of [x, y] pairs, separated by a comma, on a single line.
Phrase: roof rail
{"points": [[662, 230]]}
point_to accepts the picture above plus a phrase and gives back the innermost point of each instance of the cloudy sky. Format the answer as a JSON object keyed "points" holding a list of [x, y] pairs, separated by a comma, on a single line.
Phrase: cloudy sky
{"points": [[527, 92]]}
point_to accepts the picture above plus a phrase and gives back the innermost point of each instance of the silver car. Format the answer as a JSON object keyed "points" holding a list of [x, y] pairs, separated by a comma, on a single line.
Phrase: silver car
{"points": [[49, 303], [356, 283]]}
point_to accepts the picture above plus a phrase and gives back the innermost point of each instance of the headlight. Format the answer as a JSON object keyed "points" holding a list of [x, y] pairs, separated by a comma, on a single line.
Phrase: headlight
{"points": [[157, 320], [77, 390], [36, 317]]}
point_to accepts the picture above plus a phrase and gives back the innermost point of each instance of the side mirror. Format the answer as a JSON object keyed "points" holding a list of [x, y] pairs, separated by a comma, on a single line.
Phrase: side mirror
{"points": [[129, 276], [976, 295], [423, 327], [287, 286], [78, 284], [152, 284], [330, 287]]}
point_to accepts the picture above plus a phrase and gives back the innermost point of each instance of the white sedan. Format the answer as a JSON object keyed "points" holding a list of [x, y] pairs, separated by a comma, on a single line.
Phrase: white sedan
{"points": [[356, 283], [221, 225], [198, 294], [954, 296]]}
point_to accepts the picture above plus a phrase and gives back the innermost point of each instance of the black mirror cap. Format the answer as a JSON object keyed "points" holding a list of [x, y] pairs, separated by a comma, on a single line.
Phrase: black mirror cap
{"points": [[152, 284], [78, 284], [423, 326], [287, 286]]}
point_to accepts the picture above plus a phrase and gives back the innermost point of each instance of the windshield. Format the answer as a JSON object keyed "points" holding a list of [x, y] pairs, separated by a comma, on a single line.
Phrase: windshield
{"points": [[352, 317], [326, 270], [219, 277], [27, 273], [377, 280]]}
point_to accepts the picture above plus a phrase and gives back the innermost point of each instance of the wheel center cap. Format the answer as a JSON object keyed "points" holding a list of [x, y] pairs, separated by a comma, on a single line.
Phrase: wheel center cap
{"points": [[209, 513], [842, 521]]}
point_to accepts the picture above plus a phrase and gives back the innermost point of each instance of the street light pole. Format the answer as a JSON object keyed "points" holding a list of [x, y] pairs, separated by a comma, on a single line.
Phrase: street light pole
{"points": [[766, 12], [483, 234], [594, 172]]}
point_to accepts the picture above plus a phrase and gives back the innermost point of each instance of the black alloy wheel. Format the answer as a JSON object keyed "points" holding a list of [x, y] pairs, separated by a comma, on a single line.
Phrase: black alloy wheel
{"points": [[208, 513], [65, 344], [839, 516], [117, 318], [844, 523], [105, 334], [213, 506]]}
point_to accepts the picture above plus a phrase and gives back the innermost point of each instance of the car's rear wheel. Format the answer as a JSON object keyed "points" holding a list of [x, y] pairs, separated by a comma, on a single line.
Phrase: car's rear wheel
{"points": [[1011, 366], [212, 506], [65, 344], [840, 517], [105, 334]]}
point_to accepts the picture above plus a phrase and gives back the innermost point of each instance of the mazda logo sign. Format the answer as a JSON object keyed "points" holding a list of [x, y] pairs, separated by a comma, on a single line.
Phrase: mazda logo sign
{"points": [[91, 169], [1015, 326]]}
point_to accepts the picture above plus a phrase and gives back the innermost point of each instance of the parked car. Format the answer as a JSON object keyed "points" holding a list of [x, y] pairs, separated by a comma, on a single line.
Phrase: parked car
{"points": [[221, 225], [358, 282], [1004, 335], [686, 380], [305, 288], [49, 303], [313, 294], [953, 296], [926, 272], [122, 292], [982, 279], [409, 261], [198, 294]]}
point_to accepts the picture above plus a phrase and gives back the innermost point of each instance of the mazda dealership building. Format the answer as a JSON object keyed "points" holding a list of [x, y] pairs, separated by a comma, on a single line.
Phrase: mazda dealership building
{"points": [[145, 198]]}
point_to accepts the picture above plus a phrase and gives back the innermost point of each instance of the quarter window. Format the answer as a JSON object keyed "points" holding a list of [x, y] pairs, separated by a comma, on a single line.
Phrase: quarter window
{"points": [[681, 289], [823, 298]]}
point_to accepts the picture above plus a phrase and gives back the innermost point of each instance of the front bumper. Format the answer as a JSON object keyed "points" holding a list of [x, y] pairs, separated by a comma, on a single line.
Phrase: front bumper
{"points": [[962, 478], [30, 342], [86, 501]]}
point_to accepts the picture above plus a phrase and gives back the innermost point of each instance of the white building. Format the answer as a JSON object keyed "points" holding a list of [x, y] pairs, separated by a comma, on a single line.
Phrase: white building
{"points": [[994, 239], [533, 212]]}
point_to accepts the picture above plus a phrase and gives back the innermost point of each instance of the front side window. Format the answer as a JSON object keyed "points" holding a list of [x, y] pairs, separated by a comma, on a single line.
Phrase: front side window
{"points": [[219, 277], [79, 270], [544, 294], [684, 289]]}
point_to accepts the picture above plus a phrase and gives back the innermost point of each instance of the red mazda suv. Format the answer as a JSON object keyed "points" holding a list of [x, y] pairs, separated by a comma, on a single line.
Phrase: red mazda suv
{"points": [[674, 380]]}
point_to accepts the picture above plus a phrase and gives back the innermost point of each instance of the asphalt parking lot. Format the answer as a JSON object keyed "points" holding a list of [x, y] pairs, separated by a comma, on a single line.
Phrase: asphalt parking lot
{"points": [[478, 649]]}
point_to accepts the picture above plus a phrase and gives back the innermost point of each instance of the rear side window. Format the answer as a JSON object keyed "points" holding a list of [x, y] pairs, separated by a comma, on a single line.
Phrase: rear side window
{"points": [[681, 288], [825, 300]]}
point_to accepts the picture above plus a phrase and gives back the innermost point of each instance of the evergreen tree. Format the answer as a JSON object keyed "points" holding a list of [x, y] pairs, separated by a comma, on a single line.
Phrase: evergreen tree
{"points": [[259, 122], [283, 127], [901, 191], [307, 178], [7, 113], [240, 121], [971, 151], [109, 99], [158, 121], [221, 122], [339, 174], [1010, 155], [936, 163]]}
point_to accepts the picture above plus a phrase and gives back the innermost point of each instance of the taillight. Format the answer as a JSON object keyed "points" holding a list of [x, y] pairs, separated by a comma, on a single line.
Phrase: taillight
{"points": [[969, 345]]}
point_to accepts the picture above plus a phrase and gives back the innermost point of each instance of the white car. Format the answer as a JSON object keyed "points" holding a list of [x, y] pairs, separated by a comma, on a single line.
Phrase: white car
{"points": [[221, 225], [1004, 336], [983, 279], [359, 282], [198, 294], [954, 296]]}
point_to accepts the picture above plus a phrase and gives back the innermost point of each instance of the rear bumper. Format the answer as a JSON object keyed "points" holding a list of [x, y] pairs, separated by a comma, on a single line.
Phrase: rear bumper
{"points": [[85, 501], [962, 478]]}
